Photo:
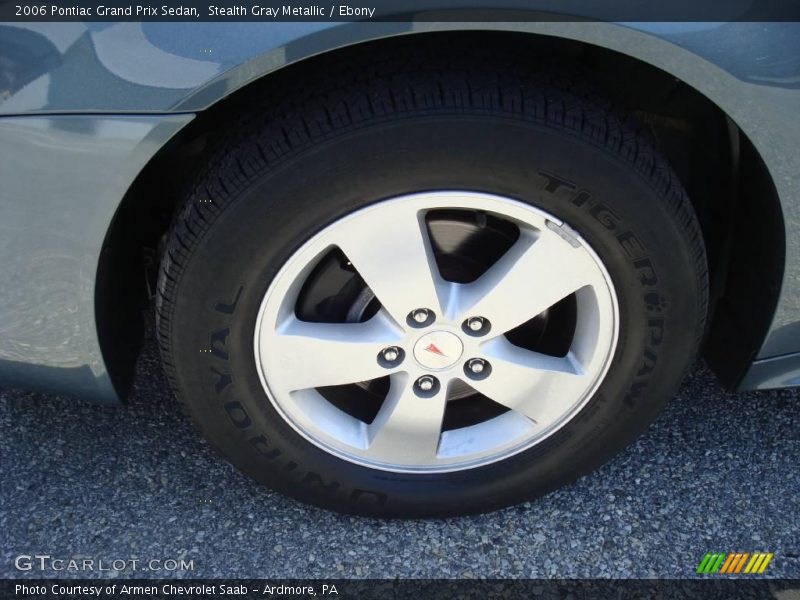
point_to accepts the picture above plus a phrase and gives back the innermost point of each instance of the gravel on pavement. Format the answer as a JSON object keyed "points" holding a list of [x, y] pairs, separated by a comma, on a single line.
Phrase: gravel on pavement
{"points": [[717, 472]]}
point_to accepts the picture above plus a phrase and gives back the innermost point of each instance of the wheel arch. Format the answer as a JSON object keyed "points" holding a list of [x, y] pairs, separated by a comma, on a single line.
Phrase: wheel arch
{"points": [[737, 184]]}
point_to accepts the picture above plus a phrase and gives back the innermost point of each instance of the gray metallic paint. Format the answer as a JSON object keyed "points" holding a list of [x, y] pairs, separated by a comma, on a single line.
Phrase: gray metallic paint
{"points": [[85, 162], [771, 373], [62, 179]]}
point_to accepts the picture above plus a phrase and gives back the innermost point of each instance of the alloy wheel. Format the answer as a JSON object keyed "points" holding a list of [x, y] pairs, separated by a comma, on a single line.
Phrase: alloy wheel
{"points": [[441, 368]]}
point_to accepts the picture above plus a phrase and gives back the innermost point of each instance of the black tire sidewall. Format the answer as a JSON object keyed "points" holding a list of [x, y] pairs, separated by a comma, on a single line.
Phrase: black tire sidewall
{"points": [[616, 209]]}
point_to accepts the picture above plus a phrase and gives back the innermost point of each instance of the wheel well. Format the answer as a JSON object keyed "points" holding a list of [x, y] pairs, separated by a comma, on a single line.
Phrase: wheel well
{"points": [[728, 183]]}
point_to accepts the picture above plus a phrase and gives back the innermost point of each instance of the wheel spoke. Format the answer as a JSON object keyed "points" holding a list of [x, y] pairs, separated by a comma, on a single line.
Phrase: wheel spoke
{"points": [[530, 278], [407, 427], [390, 249], [305, 355], [537, 385]]}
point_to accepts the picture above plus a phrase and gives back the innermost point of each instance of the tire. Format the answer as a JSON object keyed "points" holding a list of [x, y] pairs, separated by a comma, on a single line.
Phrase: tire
{"points": [[293, 168]]}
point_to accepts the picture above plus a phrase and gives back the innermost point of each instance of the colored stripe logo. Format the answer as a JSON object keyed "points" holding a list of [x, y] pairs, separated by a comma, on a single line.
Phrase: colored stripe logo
{"points": [[734, 563]]}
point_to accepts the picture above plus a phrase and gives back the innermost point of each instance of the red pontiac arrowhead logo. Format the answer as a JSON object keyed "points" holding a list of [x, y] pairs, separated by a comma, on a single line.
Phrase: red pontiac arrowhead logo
{"points": [[432, 348]]}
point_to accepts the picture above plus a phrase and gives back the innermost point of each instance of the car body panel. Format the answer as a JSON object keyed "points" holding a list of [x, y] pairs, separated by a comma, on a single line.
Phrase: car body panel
{"points": [[750, 70], [772, 373], [62, 180]]}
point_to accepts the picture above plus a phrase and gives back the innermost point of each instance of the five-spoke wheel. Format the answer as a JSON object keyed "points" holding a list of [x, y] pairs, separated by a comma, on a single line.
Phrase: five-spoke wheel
{"points": [[438, 340]]}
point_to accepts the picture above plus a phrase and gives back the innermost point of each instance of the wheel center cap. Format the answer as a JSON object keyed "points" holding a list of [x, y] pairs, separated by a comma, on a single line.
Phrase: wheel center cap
{"points": [[438, 350]]}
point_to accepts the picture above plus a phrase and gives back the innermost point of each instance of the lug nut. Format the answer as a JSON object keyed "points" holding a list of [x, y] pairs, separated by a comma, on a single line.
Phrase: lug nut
{"points": [[420, 315], [477, 368], [476, 365], [391, 354], [390, 357], [476, 326], [426, 383], [475, 323]]}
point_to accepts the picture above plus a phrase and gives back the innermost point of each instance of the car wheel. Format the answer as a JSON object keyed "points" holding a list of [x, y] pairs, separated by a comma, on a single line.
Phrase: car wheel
{"points": [[424, 294]]}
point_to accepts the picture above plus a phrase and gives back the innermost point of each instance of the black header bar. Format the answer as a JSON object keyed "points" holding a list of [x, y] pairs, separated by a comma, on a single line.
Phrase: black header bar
{"points": [[401, 10]]}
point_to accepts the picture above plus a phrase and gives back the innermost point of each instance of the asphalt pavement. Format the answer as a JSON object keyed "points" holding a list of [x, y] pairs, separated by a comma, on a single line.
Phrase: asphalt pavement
{"points": [[718, 472]]}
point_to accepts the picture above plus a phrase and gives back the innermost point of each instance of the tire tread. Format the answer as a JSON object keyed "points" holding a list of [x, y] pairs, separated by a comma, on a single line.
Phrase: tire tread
{"points": [[341, 99]]}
